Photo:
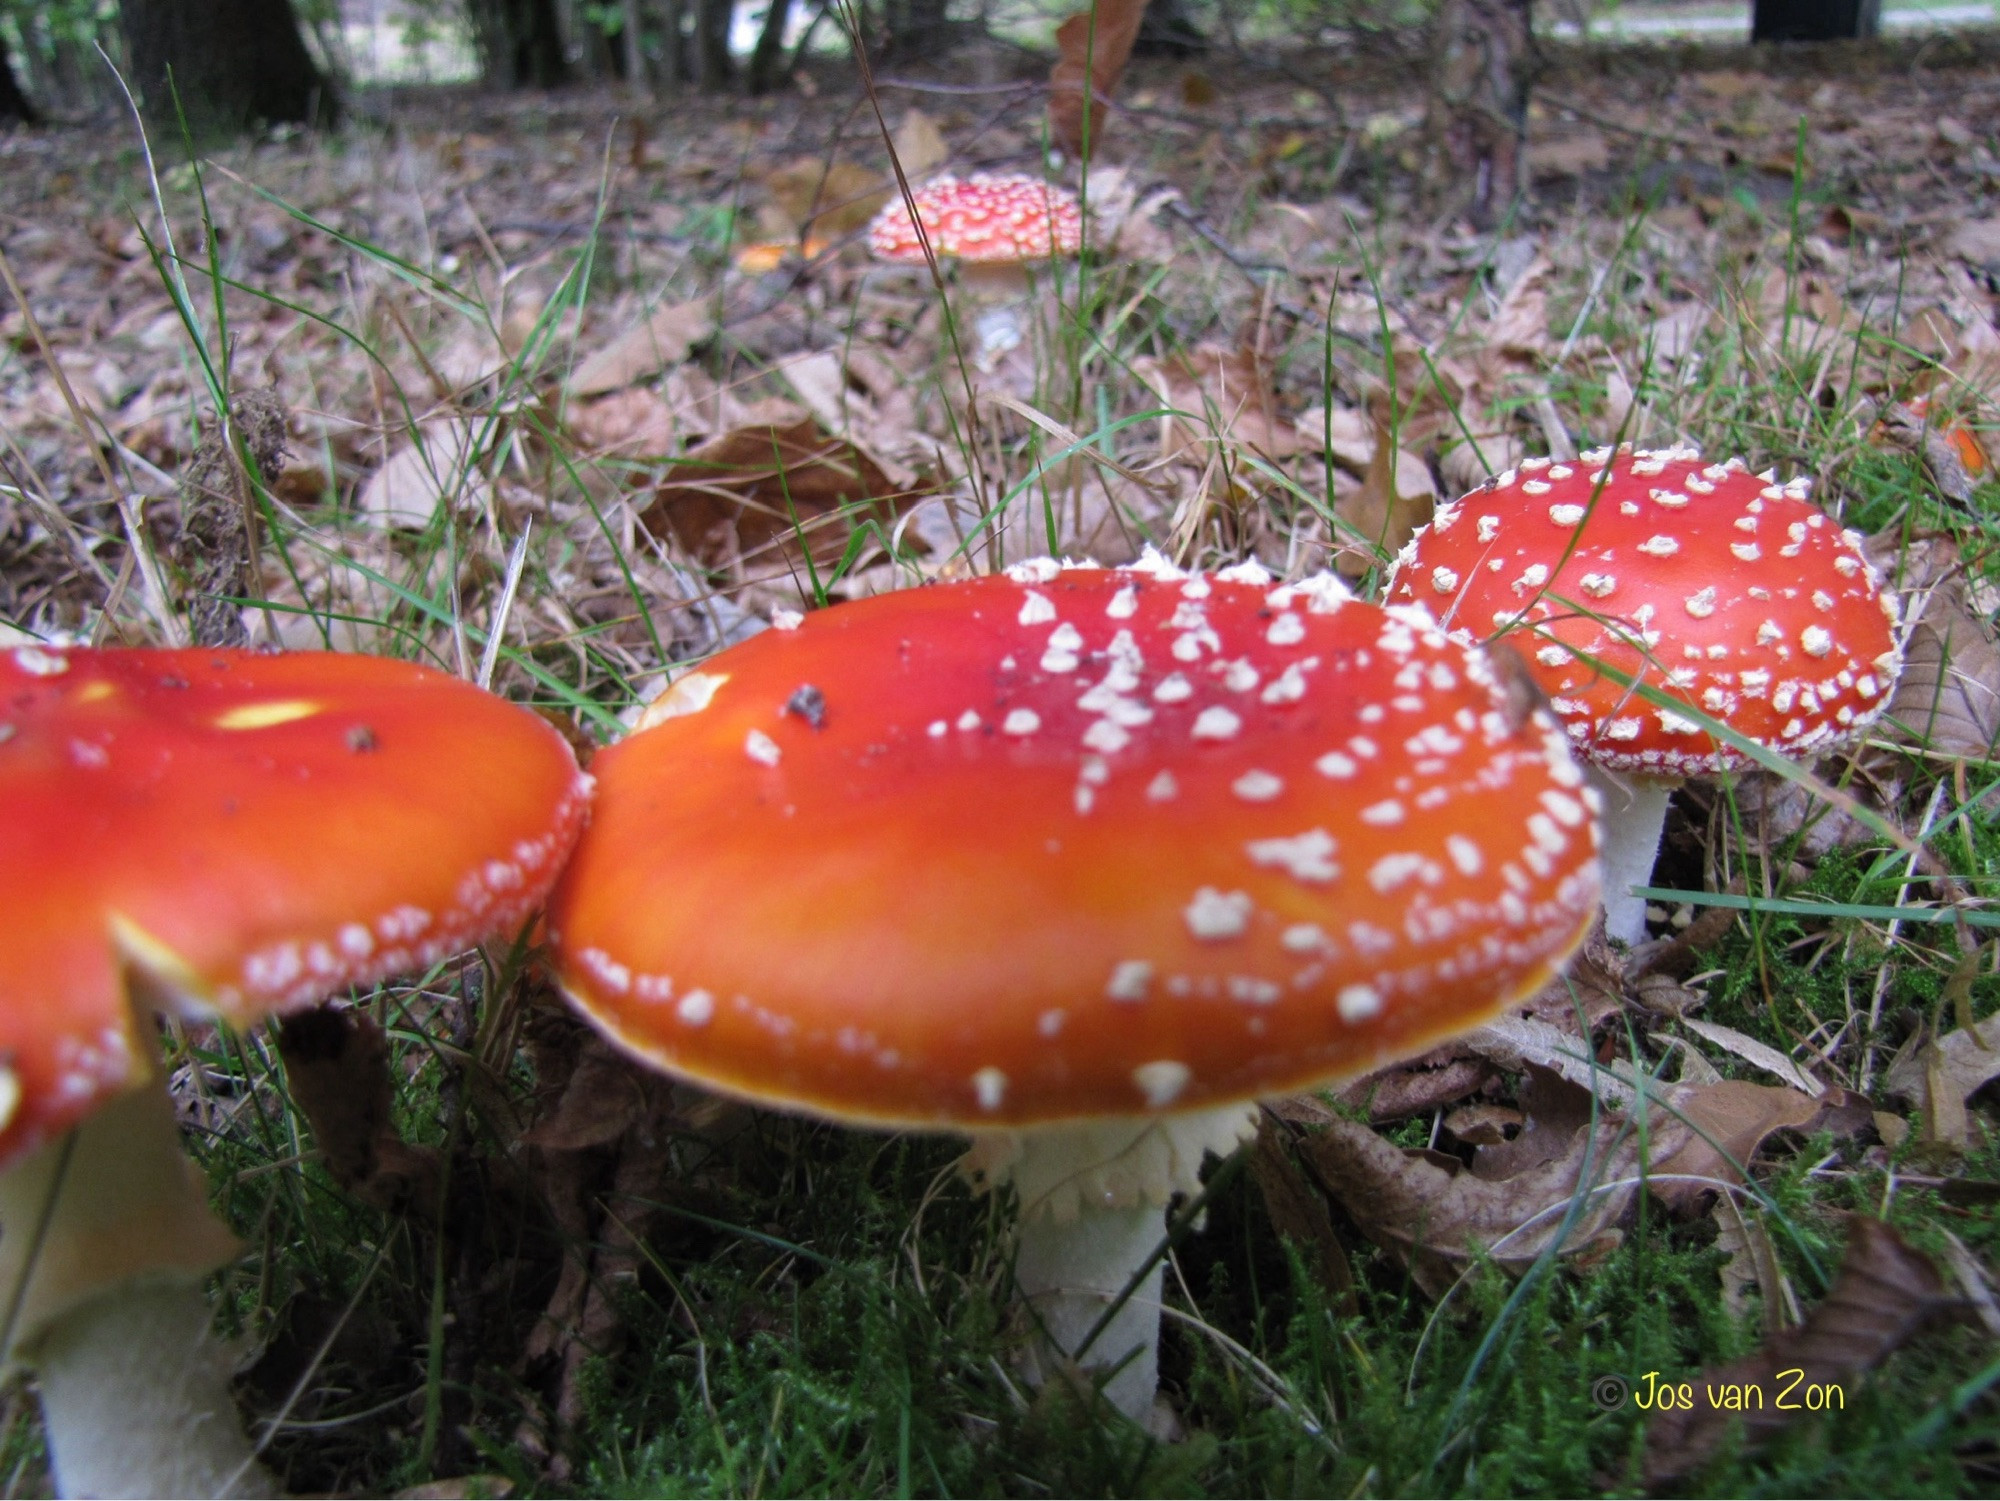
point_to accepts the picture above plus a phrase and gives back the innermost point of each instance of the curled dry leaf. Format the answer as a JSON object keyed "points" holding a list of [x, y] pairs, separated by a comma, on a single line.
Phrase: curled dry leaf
{"points": [[1948, 697], [337, 1069], [742, 492], [1095, 45], [1414, 1087], [1397, 496], [1946, 1071], [1884, 1294], [919, 145], [1757, 1054], [659, 343], [1298, 1212], [440, 468]]}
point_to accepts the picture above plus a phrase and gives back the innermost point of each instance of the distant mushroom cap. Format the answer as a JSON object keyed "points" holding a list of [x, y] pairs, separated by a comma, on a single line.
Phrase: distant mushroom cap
{"points": [[981, 218], [1071, 842], [250, 832], [1727, 591]]}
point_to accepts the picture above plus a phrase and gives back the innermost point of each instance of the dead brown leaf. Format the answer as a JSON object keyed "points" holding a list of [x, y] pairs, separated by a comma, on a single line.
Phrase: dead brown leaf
{"points": [[1094, 45], [1884, 1294], [827, 200], [920, 147], [337, 1069], [741, 492], [1948, 697], [1397, 496], [1218, 393], [1962, 1062], [1727, 1123], [632, 421], [659, 343], [1298, 1212], [440, 468]]}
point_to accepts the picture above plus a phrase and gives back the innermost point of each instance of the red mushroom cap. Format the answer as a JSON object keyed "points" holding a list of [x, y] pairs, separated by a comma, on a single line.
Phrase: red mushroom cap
{"points": [[981, 218], [251, 832], [1072, 842], [1722, 589]]}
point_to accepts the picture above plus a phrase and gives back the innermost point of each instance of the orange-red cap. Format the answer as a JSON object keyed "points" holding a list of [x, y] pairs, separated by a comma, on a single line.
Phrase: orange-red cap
{"points": [[1072, 842], [250, 831], [1727, 591], [980, 218]]}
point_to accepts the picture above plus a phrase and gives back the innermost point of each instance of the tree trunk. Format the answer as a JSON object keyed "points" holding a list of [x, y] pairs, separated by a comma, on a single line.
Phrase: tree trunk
{"points": [[769, 55], [1814, 20], [915, 28], [1167, 30], [633, 37], [1483, 65], [713, 66], [231, 64], [520, 44], [14, 106]]}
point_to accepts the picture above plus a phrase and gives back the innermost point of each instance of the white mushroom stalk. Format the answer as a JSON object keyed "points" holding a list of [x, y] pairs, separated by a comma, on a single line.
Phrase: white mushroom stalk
{"points": [[109, 1240], [1093, 1217], [1634, 820]]}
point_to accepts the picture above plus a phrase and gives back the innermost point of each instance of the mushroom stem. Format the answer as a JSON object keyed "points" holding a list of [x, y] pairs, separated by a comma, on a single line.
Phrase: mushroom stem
{"points": [[1069, 1272], [1093, 1209], [106, 1238], [136, 1400], [1635, 813]]}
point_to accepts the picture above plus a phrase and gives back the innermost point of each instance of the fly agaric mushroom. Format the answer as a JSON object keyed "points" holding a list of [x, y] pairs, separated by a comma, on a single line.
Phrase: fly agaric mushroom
{"points": [[1080, 862], [995, 227], [209, 834], [1721, 589]]}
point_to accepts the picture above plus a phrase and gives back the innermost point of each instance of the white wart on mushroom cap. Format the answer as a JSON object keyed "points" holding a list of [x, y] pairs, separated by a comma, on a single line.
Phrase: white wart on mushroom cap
{"points": [[996, 219], [1072, 842], [1720, 588]]}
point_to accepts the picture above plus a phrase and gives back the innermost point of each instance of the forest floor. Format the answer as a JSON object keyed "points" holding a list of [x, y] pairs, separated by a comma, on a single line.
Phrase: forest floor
{"points": [[538, 354]]}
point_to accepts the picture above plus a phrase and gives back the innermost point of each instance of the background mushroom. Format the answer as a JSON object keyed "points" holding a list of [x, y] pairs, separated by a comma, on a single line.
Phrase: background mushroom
{"points": [[1080, 862], [1721, 589], [211, 834], [995, 227]]}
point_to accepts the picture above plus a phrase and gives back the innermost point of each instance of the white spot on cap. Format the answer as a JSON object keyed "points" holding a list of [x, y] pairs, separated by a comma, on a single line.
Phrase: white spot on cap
{"points": [[696, 1008], [1288, 687], [1817, 640], [1240, 676], [39, 663], [1597, 585], [1107, 735], [1701, 605], [1336, 765], [1391, 871], [1304, 857], [786, 620], [989, 1087], [1172, 689], [1129, 980], [1162, 1081], [1216, 723], [1748, 552], [355, 941], [937, 729], [1051, 1022], [1304, 938], [1388, 811], [761, 748], [1770, 633], [1565, 515], [1124, 604], [1464, 854], [1357, 1003], [1163, 788], [1217, 914], [1660, 546], [1021, 722], [1287, 630], [1037, 609], [1257, 786], [969, 720], [1444, 579]]}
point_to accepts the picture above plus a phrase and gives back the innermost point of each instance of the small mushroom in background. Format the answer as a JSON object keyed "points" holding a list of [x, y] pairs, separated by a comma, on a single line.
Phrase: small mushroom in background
{"points": [[1719, 588], [1080, 862], [214, 835], [995, 227]]}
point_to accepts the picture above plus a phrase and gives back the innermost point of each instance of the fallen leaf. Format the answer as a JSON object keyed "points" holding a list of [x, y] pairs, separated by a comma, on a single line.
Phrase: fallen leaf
{"points": [[827, 200], [1397, 496], [1093, 44], [1975, 240], [1884, 1294], [919, 147], [1948, 696], [1727, 1122], [742, 492], [1963, 1060], [1753, 1262], [1218, 394], [440, 468], [1757, 1054], [632, 421], [337, 1071], [660, 342], [1415, 1087], [1299, 1214]]}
